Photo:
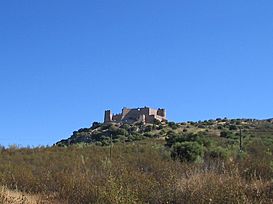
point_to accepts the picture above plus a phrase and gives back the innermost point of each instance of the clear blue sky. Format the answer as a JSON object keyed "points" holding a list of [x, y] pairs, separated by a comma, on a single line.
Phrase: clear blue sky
{"points": [[62, 63]]}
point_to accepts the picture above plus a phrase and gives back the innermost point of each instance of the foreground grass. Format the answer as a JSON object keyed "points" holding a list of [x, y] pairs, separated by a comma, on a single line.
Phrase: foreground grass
{"points": [[134, 173]]}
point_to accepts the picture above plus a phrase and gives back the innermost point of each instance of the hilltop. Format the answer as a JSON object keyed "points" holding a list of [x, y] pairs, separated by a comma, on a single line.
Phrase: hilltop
{"points": [[186, 141], [105, 133]]}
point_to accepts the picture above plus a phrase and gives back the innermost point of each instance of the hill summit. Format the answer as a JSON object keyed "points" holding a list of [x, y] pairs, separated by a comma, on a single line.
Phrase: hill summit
{"points": [[226, 130]]}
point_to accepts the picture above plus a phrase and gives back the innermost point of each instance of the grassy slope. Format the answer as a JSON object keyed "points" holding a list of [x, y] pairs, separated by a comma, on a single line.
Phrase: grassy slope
{"points": [[142, 171]]}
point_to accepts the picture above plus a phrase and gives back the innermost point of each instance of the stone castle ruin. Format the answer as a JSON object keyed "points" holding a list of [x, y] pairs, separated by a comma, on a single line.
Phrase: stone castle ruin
{"points": [[128, 115]]}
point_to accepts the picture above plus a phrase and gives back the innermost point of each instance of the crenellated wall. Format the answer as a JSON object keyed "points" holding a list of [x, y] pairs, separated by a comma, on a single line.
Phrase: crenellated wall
{"points": [[117, 117], [128, 115]]}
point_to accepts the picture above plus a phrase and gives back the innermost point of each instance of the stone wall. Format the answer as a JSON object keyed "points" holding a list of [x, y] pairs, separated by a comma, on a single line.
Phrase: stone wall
{"points": [[161, 112], [117, 117], [128, 115]]}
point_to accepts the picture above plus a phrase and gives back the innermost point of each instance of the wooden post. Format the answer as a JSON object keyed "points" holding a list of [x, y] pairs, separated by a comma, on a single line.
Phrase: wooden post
{"points": [[110, 147], [241, 147]]}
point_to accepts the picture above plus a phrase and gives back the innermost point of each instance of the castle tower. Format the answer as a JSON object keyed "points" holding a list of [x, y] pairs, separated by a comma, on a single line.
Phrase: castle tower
{"points": [[108, 116], [161, 112]]}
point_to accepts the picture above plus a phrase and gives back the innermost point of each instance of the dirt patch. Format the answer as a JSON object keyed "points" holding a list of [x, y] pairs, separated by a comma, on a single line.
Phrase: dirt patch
{"points": [[16, 197]]}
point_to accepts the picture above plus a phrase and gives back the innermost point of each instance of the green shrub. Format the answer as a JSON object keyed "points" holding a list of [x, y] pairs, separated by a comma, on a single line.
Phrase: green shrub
{"points": [[218, 153], [233, 127], [187, 151]]}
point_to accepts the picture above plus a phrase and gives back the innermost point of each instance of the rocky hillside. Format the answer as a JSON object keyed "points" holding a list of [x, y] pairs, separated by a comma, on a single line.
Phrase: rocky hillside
{"points": [[218, 129]]}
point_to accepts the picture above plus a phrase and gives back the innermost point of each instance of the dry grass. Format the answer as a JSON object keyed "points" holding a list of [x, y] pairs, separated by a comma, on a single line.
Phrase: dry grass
{"points": [[136, 173]]}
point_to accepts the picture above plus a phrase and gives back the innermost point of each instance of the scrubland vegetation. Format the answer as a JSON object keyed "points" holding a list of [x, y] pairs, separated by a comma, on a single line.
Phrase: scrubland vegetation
{"points": [[162, 163]]}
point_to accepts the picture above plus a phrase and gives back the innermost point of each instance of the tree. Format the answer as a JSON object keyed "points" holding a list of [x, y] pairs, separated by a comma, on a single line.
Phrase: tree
{"points": [[226, 134], [157, 122], [218, 152], [95, 125], [232, 127], [187, 151]]}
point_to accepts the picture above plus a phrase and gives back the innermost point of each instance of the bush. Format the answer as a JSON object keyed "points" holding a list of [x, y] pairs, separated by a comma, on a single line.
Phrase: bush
{"points": [[201, 138], [187, 151], [173, 125], [226, 134], [232, 127], [148, 134], [218, 153], [95, 125], [157, 122]]}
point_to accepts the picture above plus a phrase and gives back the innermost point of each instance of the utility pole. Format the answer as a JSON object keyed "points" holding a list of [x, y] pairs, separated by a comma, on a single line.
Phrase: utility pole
{"points": [[111, 147], [241, 147]]}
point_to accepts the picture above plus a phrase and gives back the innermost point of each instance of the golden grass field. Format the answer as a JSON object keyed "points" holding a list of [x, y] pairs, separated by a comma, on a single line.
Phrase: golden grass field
{"points": [[136, 173]]}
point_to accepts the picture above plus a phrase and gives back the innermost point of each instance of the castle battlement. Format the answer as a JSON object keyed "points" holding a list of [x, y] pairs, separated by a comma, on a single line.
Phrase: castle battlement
{"points": [[132, 115]]}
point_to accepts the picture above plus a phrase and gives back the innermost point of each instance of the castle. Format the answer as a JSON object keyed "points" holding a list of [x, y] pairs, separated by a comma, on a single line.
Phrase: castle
{"points": [[145, 115]]}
